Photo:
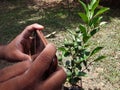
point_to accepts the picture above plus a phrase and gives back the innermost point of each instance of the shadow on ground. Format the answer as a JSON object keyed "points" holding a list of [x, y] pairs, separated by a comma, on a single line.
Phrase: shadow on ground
{"points": [[15, 15]]}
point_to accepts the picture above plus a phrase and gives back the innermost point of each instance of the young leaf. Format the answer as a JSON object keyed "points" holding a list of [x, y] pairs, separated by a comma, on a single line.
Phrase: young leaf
{"points": [[95, 5], [83, 17], [84, 6], [99, 58], [92, 4], [84, 32], [101, 11], [97, 49], [90, 15], [95, 21]]}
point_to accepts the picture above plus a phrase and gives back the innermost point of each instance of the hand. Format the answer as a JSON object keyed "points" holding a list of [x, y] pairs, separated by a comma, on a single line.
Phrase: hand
{"points": [[29, 76], [19, 47]]}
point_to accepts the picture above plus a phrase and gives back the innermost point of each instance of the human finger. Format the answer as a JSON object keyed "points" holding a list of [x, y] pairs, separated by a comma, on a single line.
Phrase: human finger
{"points": [[18, 55], [38, 67], [29, 29], [14, 70], [55, 81], [33, 57]]}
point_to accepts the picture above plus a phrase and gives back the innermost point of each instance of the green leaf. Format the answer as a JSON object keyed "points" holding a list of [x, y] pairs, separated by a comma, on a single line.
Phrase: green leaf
{"points": [[67, 53], [59, 58], [84, 17], [69, 73], [85, 63], [61, 49], [86, 38], [78, 60], [73, 80], [97, 49], [84, 32], [86, 53], [91, 4], [94, 31], [84, 6], [89, 15], [83, 29], [99, 58], [95, 21], [79, 66], [101, 11], [79, 73], [76, 79], [68, 44], [95, 5]]}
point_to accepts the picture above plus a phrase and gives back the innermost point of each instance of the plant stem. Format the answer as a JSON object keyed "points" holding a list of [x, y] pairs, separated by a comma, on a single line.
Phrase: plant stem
{"points": [[87, 66]]}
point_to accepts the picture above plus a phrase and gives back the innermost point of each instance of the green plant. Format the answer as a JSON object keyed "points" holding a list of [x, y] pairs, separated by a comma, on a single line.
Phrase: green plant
{"points": [[76, 48]]}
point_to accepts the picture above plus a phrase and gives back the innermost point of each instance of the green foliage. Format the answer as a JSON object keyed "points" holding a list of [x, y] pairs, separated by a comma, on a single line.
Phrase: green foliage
{"points": [[76, 47]]}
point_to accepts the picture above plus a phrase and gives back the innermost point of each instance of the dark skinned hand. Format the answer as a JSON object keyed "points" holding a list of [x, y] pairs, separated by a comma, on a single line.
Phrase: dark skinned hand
{"points": [[17, 49], [27, 75]]}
